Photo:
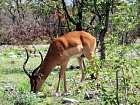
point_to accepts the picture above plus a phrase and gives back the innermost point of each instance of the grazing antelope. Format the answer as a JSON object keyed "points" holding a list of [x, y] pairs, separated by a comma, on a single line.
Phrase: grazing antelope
{"points": [[73, 44]]}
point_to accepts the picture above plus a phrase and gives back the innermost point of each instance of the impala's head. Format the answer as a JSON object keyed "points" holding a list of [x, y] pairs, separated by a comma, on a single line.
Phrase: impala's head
{"points": [[35, 78]]}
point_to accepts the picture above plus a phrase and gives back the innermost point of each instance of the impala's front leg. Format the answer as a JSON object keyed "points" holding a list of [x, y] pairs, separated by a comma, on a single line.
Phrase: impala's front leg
{"points": [[58, 87], [65, 85], [62, 74], [66, 92]]}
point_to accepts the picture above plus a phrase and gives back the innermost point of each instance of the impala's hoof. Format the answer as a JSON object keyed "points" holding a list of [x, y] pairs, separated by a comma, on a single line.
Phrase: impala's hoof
{"points": [[66, 94], [98, 83], [56, 95]]}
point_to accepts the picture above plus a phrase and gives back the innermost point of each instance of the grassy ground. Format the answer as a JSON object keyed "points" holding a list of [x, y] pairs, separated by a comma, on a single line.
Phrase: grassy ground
{"points": [[14, 84], [15, 87]]}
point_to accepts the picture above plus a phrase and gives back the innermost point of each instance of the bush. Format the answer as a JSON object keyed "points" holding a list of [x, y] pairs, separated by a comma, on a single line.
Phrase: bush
{"points": [[24, 98]]}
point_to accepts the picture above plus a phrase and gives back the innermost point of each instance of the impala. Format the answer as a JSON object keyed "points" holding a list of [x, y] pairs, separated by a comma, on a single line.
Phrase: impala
{"points": [[78, 44]]}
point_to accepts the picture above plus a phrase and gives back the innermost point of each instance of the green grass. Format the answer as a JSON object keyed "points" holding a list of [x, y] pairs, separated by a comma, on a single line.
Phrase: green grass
{"points": [[128, 67]]}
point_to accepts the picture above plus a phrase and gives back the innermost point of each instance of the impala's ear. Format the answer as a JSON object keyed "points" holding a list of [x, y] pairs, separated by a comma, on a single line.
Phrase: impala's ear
{"points": [[40, 75]]}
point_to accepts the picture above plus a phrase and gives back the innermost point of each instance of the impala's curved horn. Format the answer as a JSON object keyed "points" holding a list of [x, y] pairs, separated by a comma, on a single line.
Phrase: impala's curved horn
{"points": [[35, 70], [26, 72]]}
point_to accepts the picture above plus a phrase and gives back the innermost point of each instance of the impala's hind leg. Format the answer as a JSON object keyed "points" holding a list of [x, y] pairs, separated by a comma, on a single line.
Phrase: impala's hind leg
{"points": [[82, 66], [89, 55]]}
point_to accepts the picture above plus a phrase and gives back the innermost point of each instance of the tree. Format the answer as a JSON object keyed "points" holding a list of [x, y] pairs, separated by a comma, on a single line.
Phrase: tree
{"points": [[102, 10], [78, 5], [26, 21], [98, 14], [125, 22]]}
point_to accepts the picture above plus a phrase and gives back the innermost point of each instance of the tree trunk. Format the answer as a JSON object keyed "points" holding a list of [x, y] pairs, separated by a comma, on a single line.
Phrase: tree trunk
{"points": [[104, 30], [102, 44], [79, 26]]}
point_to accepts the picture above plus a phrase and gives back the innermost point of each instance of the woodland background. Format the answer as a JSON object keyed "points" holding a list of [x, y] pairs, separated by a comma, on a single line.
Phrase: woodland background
{"points": [[30, 21]]}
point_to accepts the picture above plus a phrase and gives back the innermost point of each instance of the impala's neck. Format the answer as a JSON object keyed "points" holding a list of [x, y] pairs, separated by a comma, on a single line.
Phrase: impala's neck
{"points": [[44, 71], [47, 67]]}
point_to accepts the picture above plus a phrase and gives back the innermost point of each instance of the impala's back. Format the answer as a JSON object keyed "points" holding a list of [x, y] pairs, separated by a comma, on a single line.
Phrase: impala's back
{"points": [[73, 44]]}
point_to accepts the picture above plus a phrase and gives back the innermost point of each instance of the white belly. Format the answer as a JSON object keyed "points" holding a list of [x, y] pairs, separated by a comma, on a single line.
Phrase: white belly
{"points": [[74, 52]]}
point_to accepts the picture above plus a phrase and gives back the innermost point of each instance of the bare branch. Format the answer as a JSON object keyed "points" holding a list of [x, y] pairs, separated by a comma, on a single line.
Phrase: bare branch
{"points": [[67, 14]]}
